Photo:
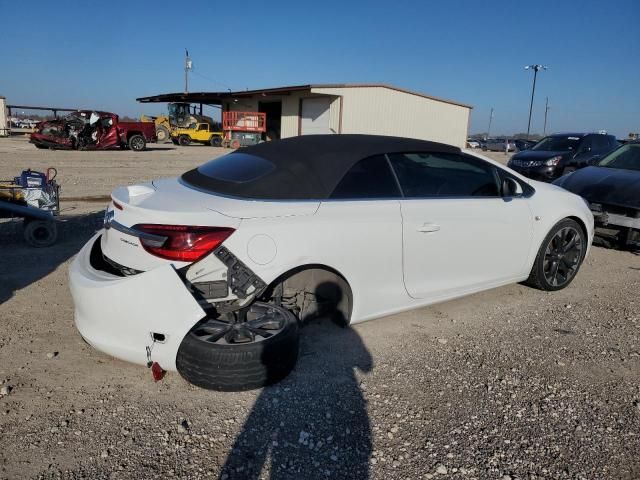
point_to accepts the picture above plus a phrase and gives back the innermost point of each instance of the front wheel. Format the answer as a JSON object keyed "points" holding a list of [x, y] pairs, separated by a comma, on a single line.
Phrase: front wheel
{"points": [[241, 350], [162, 133], [137, 143], [559, 257], [184, 140]]}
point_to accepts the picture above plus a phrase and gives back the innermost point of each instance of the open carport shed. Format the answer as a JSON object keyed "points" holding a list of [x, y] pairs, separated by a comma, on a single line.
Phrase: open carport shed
{"points": [[343, 108]]}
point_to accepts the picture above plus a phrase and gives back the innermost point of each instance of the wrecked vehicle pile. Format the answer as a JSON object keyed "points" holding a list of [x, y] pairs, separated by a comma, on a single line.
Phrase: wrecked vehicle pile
{"points": [[92, 130]]}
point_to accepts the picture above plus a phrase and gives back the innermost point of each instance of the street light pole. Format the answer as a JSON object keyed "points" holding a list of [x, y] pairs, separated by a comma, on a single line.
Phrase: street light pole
{"points": [[535, 69], [546, 110], [188, 65], [489, 129]]}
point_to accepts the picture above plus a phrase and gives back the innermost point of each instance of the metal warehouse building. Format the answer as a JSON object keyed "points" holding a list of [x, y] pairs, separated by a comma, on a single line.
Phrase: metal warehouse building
{"points": [[343, 108]]}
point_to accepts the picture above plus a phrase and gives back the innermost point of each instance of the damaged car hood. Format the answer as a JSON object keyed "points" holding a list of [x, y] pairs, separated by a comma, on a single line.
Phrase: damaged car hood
{"points": [[610, 186]]}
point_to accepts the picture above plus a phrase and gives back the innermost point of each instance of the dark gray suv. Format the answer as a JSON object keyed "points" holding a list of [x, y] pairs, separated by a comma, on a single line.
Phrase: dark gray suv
{"points": [[561, 153]]}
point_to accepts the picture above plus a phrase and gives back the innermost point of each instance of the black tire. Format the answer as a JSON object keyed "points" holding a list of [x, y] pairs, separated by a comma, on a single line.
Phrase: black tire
{"points": [[215, 141], [162, 133], [184, 140], [546, 258], [175, 141], [41, 147], [137, 143], [231, 367], [40, 233]]}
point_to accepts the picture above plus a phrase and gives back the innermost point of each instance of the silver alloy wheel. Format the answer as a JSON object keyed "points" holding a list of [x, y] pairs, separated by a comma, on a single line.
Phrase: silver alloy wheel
{"points": [[253, 324], [562, 256], [137, 143]]}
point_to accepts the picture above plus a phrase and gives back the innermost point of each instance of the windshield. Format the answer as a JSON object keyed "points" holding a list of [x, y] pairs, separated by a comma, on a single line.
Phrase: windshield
{"points": [[557, 144], [626, 157]]}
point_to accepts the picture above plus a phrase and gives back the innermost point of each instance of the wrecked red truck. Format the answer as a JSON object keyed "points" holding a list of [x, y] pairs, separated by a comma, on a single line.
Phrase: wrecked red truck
{"points": [[92, 130]]}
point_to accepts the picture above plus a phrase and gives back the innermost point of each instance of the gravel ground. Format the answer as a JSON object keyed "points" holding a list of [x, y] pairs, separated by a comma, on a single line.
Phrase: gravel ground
{"points": [[505, 384]]}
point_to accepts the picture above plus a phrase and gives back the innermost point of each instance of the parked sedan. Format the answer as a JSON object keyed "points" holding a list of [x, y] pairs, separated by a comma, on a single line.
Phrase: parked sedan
{"points": [[555, 155], [210, 274], [612, 188], [499, 145], [524, 144]]}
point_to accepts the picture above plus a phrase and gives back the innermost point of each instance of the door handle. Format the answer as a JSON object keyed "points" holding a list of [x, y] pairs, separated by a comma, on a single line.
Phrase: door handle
{"points": [[429, 227]]}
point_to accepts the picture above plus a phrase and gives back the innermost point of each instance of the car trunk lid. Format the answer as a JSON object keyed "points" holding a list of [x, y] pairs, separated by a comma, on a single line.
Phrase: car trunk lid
{"points": [[169, 202]]}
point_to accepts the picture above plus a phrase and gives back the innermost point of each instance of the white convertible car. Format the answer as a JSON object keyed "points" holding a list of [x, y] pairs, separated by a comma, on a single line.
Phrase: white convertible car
{"points": [[210, 274]]}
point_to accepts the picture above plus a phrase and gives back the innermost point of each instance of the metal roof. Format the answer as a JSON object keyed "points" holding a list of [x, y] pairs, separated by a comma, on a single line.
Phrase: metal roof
{"points": [[216, 98]]}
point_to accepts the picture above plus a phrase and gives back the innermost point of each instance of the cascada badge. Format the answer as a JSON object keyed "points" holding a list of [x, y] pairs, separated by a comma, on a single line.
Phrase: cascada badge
{"points": [[108, 218]]}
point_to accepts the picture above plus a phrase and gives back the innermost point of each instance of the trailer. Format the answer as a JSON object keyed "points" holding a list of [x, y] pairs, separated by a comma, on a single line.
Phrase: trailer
{"points": [[242, 129], [34, 197]]}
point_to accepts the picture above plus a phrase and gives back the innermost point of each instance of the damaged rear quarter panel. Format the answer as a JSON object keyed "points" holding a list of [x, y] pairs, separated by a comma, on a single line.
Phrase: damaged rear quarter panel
{"points": [[118, 314]]}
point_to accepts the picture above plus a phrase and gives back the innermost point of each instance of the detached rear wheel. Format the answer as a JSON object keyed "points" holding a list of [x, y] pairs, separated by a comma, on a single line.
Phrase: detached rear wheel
{"points": [[559, 257], [242, 350]]}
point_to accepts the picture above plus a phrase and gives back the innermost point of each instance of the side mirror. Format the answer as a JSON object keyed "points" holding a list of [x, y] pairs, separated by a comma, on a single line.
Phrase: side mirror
{"points": [[511, 188]]}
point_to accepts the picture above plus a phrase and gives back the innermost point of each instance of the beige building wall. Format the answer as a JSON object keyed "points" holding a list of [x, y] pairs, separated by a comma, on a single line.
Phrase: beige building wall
{"points": [[290, 126], [384, 111], [4, 126], [373, 110]]}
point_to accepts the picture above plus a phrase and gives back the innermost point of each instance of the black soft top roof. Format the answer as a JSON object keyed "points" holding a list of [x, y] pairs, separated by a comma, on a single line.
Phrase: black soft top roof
{"points": [[306, 167]]}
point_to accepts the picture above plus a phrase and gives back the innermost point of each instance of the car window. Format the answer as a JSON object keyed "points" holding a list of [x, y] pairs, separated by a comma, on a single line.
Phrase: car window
{"points": [[202, 126], [237, 167], [444, 175], [626, 157], [557, 144], [369, 178], [600, 143]]}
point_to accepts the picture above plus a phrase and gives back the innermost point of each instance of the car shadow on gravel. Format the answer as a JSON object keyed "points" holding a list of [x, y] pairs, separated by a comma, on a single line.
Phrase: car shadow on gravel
{"points": [[21, 265], [314, 424]]}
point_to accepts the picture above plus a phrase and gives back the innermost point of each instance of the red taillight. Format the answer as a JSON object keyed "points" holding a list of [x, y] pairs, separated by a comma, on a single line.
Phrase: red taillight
{"points": [[184, 243]]}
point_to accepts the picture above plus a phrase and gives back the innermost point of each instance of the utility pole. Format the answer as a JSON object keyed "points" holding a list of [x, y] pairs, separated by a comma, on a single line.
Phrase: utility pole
{"points": [[536, 69], [489, 128], [188, 65], [546, 110]]}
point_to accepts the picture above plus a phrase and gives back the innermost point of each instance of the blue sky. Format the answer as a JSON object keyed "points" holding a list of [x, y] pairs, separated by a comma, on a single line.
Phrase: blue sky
{"points": [[105, 54]]}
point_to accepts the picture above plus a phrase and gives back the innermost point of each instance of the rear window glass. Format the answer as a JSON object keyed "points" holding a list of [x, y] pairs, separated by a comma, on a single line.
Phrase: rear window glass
{"points": [[237, 168]]}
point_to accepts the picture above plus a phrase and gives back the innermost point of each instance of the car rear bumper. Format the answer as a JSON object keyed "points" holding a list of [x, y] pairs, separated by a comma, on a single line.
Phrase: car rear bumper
{"points": [[120, 315], [608, 219]]}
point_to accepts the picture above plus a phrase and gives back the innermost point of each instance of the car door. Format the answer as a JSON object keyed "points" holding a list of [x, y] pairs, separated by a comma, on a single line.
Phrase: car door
{"points": [[107, 133], [459, 233], [584, 152]]}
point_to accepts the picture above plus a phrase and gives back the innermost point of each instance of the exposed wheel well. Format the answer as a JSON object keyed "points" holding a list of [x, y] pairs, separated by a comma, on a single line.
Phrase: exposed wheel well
{"points": [[312, 291], [582, 226]]}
